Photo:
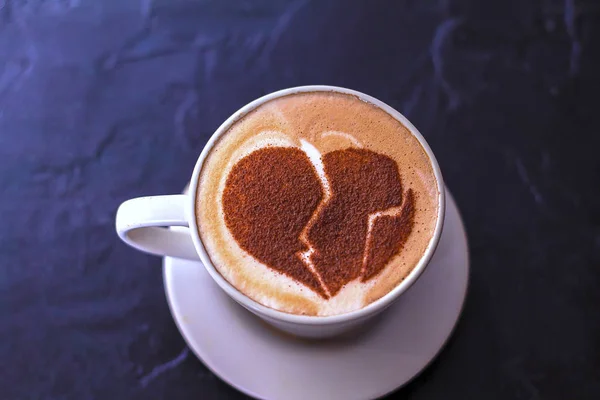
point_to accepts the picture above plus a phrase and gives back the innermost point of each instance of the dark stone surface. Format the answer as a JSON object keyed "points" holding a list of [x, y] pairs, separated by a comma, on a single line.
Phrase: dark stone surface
{"points": [[101, 101]]}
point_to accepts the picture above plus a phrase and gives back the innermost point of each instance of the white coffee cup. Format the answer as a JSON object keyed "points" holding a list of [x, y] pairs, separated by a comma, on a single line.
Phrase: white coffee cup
{"points": [[142, 223]]}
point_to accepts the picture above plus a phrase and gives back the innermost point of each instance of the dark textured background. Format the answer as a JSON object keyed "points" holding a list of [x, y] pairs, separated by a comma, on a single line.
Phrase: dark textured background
{"points": [[101, 101]]}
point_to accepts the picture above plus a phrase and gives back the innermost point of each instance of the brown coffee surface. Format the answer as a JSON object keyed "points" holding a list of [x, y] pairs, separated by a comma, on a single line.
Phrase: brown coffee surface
{"points": [[316, 203]]}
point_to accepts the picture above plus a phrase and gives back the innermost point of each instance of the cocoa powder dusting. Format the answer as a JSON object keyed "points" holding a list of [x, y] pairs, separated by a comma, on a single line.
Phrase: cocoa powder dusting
{"points": [[271, 195], [388, 235], [362, 182]]}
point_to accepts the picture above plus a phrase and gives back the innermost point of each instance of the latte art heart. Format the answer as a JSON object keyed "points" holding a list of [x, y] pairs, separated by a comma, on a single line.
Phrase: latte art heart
{"points": [[278, 211], [316, 203]]}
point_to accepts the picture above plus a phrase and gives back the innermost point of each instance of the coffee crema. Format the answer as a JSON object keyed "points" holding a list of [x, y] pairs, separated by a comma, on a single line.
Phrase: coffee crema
{"points": [[316, 203]]}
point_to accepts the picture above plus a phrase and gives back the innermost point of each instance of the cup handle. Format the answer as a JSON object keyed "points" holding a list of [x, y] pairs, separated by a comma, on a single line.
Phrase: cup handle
{"points": [[142, 223]]}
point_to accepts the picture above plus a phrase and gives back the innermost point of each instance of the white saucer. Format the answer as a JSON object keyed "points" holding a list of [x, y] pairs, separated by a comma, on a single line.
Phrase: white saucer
{"points": [[261, 362]]}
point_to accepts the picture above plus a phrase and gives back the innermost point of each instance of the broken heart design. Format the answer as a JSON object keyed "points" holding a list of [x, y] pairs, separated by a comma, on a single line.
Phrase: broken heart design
{"points": [[323, 231]]}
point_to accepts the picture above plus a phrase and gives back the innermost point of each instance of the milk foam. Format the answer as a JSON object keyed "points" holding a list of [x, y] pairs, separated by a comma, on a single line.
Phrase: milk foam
{"points": [[344, 135], [315, 158], [282, 124]]}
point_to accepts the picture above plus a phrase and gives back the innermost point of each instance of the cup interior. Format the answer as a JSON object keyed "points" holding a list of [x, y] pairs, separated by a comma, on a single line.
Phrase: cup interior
{"points": [[371, 308]]}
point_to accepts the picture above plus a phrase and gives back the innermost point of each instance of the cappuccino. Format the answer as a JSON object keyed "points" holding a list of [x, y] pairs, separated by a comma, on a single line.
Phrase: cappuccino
{"points": [[316, 203]]}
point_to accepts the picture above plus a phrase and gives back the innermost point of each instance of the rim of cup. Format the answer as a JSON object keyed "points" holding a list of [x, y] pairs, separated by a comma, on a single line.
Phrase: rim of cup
{"points": [[370, 308]]}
